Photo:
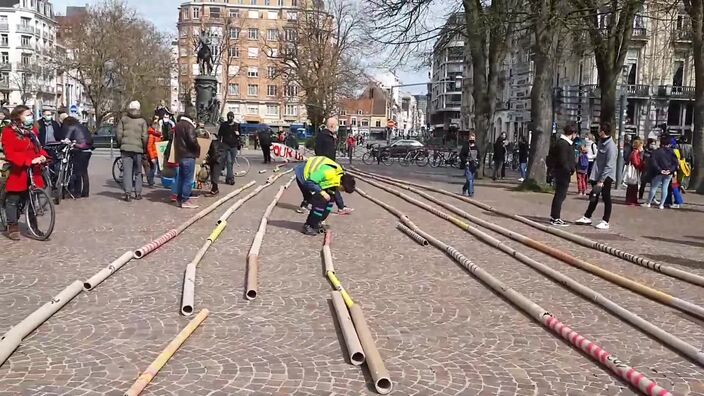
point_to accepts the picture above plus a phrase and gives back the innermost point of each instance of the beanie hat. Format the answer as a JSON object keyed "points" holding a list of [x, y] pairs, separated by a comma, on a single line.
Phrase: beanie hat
{"points": [[134, 105]]}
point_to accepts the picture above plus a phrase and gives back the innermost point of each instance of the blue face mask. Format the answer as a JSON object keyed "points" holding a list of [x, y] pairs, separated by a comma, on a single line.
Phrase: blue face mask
{"points": [[29, 121]]}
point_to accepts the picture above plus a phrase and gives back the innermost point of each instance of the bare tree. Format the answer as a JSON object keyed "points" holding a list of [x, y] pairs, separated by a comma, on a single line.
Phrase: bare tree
{"points": [[228, 58], [317, 54], [695, 9], [25, 83]]}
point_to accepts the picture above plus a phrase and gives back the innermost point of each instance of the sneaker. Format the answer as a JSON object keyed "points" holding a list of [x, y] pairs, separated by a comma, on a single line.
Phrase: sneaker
{"points": [[138, 197], [674, 206], [128, 197], [584, 221], [602, 225], [661, 207], [324, 226], [345, 211], [302, 210], [558, 223], [520, 179], [656, 202], [212, 193], [189, 205], [646, 205], [308, 230], [194, 197], [173, 198]]}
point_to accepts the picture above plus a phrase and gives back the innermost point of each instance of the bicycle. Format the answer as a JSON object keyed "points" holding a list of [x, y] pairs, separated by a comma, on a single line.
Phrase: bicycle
{"points": [[117, 170], [451, 158], [39, 207], [59, 181], [378, 155], [417, 156]]}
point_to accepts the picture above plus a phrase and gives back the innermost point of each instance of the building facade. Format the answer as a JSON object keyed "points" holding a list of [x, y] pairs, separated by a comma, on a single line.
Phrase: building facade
{"points": [[27, 46], [246, 39], [447, 76], [368, 113]]}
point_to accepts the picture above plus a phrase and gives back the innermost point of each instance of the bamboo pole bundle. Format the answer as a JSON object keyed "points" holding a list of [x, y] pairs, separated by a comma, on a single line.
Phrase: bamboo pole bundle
{"points": [[540, 314], [13, 338], [613, 277], [166, 354], [171, 234], [253, 255], [354, 347], [647, 327], [583, 241]]}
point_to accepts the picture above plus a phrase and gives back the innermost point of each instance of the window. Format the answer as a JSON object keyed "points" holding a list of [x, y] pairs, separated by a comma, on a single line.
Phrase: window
{"points": [[253, 14], [291, 110], [252, 109], [5, 57], [280, 3], [343, 122], [360, 112], [234, 13], [354, 122], [272, 110], [271, 90], [273, 15], [233, 89], [289, 35], [252, 72], [294, 3], [25, 41], [271, 34], [253, 90], [196, 13], [253, 34], [291, 90], [4, 40], [267, 2], [378, 124], [343, 112], [234, 33], [3, 18], [26, 59], [234, 52], [272, 53], [253, 2], [5, 78], [271, 72], [365, 123], [291, 16], [26, 22], [252, 53], [214, 12], [235, 109]]}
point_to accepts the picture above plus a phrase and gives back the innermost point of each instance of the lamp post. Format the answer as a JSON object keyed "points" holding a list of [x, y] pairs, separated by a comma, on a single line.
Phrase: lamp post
{"points": [[621, 126]]}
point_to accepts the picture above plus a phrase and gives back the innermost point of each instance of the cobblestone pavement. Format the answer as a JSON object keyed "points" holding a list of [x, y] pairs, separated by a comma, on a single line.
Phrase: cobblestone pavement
{"points": [[439, 330]]}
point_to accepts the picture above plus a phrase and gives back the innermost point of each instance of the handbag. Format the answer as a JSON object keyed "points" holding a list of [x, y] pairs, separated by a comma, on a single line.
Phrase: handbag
{"points": [[631, 175]]}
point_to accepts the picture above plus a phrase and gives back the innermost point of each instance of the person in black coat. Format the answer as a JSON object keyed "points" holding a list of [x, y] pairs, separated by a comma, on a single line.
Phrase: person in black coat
{"points": [[265, 143], [523, 157], [561, 162], [326, 141], [229, 136], [499, 156], [76, 132]]}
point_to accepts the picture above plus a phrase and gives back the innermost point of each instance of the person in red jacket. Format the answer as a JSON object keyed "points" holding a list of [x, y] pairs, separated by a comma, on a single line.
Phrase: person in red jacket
{"points": [[636, 159], [20, 141]]}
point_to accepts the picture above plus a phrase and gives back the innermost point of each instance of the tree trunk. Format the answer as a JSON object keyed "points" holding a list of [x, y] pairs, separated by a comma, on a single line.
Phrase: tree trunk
{"points": [[608, 79], [697, 16], [541, 98]]}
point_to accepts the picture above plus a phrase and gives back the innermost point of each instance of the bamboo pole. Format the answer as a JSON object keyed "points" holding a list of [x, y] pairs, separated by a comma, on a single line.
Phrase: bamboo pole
{"points": [[171, 234], [645, 326], [354, 347], [166, 354], [252, 279], [101, 275], [269, 181], [612, 277], [586, 242], [540, 314], [326, 253], [13, 338], [412, 234]]}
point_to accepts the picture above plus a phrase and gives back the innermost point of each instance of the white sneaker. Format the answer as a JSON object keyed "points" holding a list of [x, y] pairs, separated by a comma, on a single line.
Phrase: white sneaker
{"points": [[674, 206], [646, 205], [584, 221], [656, 202], [661, 207], [602, 226], [520, 179]]}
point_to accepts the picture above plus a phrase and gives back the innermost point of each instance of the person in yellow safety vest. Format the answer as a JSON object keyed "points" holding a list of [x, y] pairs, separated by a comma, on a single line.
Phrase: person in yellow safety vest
{"points": [[319, 179]]}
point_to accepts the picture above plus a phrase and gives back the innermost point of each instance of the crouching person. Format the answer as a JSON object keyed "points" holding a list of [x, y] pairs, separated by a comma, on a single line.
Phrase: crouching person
{"points": [[319, 179]]}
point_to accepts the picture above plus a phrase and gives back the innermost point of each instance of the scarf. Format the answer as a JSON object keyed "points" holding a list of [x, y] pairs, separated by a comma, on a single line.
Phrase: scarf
{"points": [[23, 132]]}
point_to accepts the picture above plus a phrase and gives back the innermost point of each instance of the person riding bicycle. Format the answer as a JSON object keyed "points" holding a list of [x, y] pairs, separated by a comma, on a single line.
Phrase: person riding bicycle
{"points": [[320, 179], [20, 141]]}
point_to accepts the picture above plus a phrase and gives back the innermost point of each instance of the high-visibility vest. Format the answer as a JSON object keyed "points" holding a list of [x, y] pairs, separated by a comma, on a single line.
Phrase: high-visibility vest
{"points": [[327, 171]]}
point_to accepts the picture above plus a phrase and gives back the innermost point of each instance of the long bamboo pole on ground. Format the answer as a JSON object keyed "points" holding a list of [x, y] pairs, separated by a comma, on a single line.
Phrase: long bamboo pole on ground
{"points": [[612, 277], [586, 242], [13, 338], [647, 327], [412, 234], [251, 287], [166, 354], [99, 277], [269, 181], [171, 234], [540, 314], [189, 276], [349, 334]]}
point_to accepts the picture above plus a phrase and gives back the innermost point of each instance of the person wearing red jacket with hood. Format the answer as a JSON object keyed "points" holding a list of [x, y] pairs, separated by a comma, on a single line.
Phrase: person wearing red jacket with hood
{"points": [[20, 142], [151, 162]]}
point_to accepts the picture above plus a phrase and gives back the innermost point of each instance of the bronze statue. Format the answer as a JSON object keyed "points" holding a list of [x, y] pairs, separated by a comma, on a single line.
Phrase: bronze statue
{"points": [[205, 54]]}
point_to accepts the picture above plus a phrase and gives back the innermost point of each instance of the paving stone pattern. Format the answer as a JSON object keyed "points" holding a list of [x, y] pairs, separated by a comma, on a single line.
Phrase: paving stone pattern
{"points": [[439, 330]]}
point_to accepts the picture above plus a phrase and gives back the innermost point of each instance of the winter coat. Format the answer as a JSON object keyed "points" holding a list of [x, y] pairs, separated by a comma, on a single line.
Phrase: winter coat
{"points": [[561, 159], [605, 161], [229, 134], [636, 159], [662, 159], [185, 140], [78, 133], [264, 138], [20, 150], [499, 150], [131, 134], [41, 124], [325, 144], [154, 138], [522, 153]]}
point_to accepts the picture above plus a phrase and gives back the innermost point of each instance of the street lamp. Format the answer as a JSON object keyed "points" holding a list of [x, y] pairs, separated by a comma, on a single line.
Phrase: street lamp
{"points": [[621, 126]]}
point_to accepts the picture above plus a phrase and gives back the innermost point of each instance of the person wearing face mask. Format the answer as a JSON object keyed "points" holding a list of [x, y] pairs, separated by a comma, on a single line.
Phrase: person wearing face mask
{"points": [[22, 151], [471, 165], [49, 129], [229, 136], [602, 178]]}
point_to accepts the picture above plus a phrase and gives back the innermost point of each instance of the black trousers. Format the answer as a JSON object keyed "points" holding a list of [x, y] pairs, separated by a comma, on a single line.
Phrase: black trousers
{"points": [[13, 202], [307, 195], [266, 150], [81, 183], [562, 184], [215, 170], [320, 211], [605, 194]]}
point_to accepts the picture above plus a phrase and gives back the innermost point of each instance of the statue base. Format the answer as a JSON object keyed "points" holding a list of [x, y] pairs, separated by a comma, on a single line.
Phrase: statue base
{"points": [[206, 96]]}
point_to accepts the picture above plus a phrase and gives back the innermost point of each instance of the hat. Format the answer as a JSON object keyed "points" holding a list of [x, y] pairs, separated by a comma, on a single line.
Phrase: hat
{"points": [[134, 105], [63, 116]]}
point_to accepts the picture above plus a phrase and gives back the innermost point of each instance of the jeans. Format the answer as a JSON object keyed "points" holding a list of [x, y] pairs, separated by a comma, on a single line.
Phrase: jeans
{"points": [[81, 184], [151, 171], [174, 185], [662, 181], [338, 200], [132, 172], [468, 187], [498, 167], [230, 154], [307, 195], [523, 167], [562, 184], [184, 180], [605, 194], [13, 202]]}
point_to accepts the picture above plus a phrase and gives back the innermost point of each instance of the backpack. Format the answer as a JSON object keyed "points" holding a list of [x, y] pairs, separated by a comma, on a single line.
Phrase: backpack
{"points": [[583, 161], [684, 166]]}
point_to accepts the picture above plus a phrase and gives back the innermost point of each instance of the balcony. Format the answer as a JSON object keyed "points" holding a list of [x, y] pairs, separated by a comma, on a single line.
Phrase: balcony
{"points": [[25, 29], [682, 36], [638, 91], [678, 92], [26, 67], [5, 66], [639, 34], [4, 27], [26, 47], [4, 85]]}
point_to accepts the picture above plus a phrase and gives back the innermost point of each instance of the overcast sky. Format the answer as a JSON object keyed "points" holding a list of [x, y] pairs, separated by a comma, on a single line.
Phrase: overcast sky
{"points": [[164, 14]]}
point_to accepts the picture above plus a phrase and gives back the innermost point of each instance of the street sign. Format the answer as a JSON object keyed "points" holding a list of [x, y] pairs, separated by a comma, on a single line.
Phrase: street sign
{"points": [[73, 109]]}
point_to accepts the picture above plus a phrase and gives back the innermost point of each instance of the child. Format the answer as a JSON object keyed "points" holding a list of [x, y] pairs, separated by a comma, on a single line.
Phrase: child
{"points": [[154, 138], [582, 168], [676, 194]]}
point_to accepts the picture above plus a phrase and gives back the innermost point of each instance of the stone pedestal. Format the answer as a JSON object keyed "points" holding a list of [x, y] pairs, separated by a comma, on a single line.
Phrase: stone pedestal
{"points": [[206, 93]]}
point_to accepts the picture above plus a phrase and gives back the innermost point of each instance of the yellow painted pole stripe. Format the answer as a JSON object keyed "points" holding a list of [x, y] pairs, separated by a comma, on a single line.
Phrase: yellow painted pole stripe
{"points": [[346, 297], [166, 354], [217, 231], [338, 286]]}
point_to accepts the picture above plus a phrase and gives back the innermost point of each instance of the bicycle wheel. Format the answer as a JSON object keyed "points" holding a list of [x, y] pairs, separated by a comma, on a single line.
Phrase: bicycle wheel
{"points": [[59, 188], [368, 158], [40, 207], [386, 158], [406, 160], [422, 159], [436, 160], [117, 170], [241, 166]]}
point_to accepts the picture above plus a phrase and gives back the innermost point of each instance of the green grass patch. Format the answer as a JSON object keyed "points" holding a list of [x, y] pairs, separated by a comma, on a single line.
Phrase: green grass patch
{"points": [[530, 185]]}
